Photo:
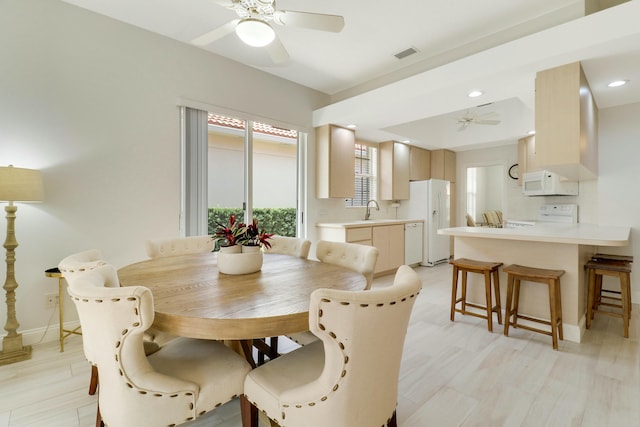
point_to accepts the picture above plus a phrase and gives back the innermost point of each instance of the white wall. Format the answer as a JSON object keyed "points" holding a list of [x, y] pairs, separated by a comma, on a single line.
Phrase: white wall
{"points": [[92, 103]]}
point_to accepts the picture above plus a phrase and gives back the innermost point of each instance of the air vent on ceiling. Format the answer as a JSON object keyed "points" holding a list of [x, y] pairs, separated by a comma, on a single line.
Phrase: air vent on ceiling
{"points": [[405, 53]]}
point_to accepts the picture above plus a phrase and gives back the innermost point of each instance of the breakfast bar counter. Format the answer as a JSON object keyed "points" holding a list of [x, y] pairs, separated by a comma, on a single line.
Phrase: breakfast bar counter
{"points": [[553, 246]]}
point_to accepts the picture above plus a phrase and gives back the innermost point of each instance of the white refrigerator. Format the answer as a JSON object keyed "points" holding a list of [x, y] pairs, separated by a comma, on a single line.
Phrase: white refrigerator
{"points": [[430, 200]]}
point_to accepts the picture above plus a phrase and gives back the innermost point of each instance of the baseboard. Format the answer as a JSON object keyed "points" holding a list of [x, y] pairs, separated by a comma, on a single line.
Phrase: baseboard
{"points": [[44, 334]]}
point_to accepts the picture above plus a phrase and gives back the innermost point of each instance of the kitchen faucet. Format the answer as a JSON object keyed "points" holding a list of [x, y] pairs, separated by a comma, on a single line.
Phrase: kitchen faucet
{"points": [[367, 214]]}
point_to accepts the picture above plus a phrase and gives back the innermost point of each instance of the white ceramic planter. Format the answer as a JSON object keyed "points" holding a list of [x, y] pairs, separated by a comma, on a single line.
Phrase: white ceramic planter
{"points": [[244, 262]]}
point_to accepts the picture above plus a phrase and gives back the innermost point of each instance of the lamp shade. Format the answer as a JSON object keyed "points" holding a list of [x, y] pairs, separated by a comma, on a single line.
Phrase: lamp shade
{"points": [[20, 185], [255, 32]]}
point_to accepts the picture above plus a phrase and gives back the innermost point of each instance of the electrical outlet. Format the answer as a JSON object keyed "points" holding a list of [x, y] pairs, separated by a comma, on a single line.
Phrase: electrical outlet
{"points": [[51, 300]]}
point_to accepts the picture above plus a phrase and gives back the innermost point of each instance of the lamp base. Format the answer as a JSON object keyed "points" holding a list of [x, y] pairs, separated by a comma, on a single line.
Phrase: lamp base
{"points": [[13, 350]]}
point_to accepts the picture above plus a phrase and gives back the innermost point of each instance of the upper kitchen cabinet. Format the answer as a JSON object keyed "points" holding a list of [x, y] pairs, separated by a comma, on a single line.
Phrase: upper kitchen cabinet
{"points": [[566, 123], [394, 171], [527, 161], [443, 165], [335, 160], [419, 164]]}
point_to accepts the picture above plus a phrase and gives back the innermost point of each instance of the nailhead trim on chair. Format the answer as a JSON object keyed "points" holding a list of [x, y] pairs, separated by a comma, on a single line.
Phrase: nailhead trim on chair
{"points": [[342, 347], [117, 360]]}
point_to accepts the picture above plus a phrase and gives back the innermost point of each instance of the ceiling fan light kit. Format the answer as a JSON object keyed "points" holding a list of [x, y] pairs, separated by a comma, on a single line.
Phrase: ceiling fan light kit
{"points": [[254, 25], [255, 32]]}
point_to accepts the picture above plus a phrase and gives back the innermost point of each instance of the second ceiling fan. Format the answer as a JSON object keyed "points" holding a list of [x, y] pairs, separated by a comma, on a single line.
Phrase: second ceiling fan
{"points": [[254, 25], [469, 118]]}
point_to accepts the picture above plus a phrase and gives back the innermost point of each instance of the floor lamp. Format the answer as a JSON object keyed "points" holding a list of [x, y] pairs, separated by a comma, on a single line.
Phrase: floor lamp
{"points": [[16, 185]]}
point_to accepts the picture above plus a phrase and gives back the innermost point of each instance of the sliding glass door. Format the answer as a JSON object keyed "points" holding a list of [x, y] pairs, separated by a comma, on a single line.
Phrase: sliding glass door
{"points": [[252, 172]]}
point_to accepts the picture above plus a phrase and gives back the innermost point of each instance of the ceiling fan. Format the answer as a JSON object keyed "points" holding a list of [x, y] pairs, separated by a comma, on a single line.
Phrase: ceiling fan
{"points": [[254, 28], [469, 118]]}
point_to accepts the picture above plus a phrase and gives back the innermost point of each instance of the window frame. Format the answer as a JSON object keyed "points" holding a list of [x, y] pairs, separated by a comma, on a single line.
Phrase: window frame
{"points": [[373, 176]]}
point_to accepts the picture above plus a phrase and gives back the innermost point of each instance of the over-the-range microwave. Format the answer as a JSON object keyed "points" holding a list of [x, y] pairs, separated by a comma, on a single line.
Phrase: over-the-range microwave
{"points": [[546, 183]]}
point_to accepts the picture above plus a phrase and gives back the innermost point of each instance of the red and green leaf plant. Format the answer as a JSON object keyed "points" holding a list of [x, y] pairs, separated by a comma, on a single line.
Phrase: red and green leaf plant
{"points": [[238, 233], [231, 233], [255, 237]]}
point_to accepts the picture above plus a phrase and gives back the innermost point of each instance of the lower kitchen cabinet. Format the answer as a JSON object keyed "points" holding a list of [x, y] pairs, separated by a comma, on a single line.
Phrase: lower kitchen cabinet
{"points": [[388, 238]]}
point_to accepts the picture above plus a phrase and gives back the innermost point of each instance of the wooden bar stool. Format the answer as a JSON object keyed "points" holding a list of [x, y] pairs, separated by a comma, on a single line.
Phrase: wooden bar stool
{"points": [[596, 270], [607, 293], [551, 278], [487, 269]]}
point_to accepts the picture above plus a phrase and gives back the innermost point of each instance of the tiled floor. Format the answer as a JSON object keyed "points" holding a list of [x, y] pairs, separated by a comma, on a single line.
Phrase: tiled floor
{"points": [[453, 374]]}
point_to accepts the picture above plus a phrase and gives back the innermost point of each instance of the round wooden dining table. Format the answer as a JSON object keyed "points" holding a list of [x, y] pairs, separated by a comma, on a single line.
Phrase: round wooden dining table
{"points": [[193, 299]]}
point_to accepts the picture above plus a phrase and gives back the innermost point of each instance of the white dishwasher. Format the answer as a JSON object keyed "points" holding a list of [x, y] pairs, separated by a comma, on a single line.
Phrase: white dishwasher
{"points": [[413, 235]]}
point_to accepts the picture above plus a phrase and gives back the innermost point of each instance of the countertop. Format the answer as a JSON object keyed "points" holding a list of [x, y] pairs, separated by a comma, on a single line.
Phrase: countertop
{"points": [[580, 234], [366, 223]]}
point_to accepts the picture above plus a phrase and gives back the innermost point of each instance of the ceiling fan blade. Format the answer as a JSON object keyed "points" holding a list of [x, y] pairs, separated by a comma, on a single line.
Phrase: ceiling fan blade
{"points": [[218, 33], [277, 51], [488, 116], [487, 122], [314, 21]]}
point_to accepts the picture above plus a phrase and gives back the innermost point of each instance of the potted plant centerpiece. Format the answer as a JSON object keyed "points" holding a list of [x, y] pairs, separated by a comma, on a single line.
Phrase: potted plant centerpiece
{"points": [[240, 246]]}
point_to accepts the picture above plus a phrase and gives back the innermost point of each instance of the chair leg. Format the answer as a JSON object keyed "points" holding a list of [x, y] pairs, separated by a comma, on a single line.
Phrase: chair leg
{"points": [[487, 296], [559, 309], [454, 292], [591, 285], [99, 422], [273, 348], [248, 412], [507, 308], [393, 422], [464, 292], [496, 289], [554, 315], [625, 295], [93, 382], [516, 301]]}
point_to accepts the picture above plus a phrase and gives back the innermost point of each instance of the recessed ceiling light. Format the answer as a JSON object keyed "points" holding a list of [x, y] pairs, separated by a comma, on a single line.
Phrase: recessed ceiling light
{"points": [[351, 126], [617, 83], [531, 132], [475, 93], [406, 141]]}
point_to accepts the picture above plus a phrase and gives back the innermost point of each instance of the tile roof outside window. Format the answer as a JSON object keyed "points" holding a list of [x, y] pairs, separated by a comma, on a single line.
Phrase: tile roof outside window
{"points": [[218, 120]]}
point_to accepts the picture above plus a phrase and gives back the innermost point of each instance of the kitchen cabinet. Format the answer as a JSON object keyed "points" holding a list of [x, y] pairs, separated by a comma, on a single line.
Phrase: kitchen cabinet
{"points": [[386, 235], [443, 165], [566, 123], [389, 239], [394, 171], [527, 161], [419, 164], [361, 235], [335, 159]]}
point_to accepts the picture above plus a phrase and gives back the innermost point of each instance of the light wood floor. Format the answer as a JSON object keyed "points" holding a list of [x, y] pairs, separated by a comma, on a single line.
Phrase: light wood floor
{"points": [[453, 374]]}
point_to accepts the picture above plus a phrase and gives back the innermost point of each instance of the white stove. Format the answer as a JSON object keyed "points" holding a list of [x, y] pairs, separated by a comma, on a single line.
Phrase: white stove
{"points": [[567, 213], [564, 213]]}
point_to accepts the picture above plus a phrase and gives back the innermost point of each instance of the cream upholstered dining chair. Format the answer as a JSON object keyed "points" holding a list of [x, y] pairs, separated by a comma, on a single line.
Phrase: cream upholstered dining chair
{"points": [[183, 380], [72, 267], [360, 258], [289, 246], [179, 246], [350, 377]]}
